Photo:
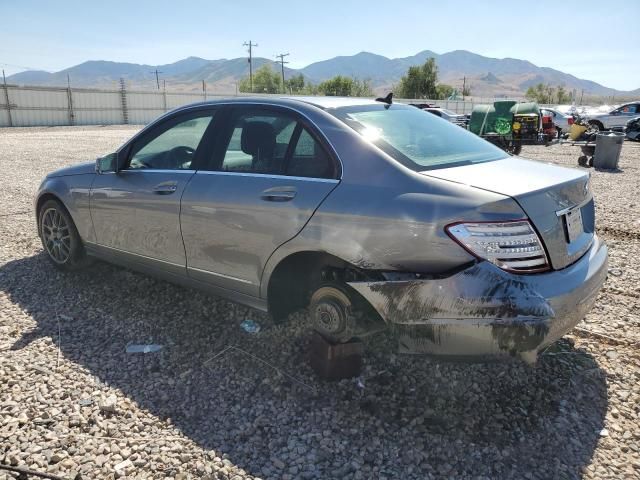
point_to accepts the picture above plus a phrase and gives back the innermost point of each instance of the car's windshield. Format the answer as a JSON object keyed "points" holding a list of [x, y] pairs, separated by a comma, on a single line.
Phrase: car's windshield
{"points": [[417, 139]]}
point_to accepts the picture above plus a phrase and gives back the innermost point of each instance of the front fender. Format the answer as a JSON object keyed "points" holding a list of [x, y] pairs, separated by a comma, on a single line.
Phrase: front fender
{"points": [[74, 193]]}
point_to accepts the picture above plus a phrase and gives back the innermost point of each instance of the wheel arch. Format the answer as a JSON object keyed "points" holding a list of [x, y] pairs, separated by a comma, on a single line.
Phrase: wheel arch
{"points": [[42, 199], [289, 283]]}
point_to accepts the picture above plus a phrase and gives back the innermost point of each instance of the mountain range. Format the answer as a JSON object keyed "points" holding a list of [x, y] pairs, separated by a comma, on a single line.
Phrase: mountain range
{"points": [[486, 76]]}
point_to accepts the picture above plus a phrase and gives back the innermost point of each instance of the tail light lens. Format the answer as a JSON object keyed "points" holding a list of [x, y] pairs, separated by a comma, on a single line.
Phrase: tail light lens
{"points": [[570, 120], [513, 246]]}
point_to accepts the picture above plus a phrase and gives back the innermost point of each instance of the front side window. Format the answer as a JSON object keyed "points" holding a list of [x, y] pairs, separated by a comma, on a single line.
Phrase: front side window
{"points": [[416, 138], [274, 144], [628, 109], [172, 149]]}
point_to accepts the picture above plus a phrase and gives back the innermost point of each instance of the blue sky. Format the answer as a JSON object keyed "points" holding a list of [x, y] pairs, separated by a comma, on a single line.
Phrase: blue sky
{"points": [[569, 36]]}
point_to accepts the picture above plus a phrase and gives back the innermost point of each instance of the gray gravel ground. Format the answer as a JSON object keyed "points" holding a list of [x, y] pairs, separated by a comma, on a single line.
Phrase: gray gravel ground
{"points": [[72, 400]]}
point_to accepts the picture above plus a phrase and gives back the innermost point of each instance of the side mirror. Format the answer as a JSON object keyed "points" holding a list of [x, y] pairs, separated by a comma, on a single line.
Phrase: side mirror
{"points": [[107, 164]]}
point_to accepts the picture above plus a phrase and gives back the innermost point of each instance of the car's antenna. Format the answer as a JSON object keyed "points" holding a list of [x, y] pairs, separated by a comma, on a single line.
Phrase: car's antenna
{"points": [[388, 99]]}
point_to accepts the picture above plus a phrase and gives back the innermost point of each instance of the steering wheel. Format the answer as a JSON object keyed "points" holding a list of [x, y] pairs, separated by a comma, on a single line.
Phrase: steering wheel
{"points": [[181, 156]]}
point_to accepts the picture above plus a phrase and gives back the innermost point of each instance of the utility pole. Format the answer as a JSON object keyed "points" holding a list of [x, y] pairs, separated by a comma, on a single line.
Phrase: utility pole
{"points": [[282, 62], [464, 87], [250, 45], [70, 101], [157, 78], [6, 96]]}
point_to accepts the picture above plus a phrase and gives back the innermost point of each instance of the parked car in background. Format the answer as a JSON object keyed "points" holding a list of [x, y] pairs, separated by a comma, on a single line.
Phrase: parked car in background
{"points": [[562, 121], [633, 129], [615, 119], [458, 119], [372, 215]]}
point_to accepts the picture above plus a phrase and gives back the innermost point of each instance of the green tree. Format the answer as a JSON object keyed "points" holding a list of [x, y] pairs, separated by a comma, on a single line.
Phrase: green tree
{"points": [[546, 94], [341, 86], [295, 84], [563, 95], [411, 85], [443, 91], [265, 80], [420, 82]]}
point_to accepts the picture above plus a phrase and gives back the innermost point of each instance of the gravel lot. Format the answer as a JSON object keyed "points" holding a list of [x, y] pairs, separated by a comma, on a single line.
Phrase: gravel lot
{"points": [[72, 400]]}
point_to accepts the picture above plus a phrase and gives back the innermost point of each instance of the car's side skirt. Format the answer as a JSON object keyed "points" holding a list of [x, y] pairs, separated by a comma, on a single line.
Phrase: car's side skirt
{"points": [[176, 274]]}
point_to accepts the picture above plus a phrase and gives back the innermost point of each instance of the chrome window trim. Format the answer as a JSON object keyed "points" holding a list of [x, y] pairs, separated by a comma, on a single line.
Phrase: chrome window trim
{"points": [[267, 175], [222, 275], [203, 106], [157, 170]]}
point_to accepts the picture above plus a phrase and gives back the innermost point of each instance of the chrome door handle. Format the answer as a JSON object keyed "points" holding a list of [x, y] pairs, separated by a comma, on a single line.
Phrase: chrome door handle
{"points": [[278, 194], [165, 189]]}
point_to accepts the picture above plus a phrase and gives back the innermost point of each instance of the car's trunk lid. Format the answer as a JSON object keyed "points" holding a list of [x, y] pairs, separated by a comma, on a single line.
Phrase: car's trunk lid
{"points": [[548, 194]]}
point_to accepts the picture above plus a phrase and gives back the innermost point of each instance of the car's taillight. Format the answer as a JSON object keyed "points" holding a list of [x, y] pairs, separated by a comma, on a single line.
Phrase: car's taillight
{"points": [[570, 120], [511, 245]]}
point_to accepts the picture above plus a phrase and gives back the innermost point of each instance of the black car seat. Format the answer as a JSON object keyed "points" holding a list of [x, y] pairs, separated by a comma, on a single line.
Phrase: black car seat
{"points": [[259, 140]]}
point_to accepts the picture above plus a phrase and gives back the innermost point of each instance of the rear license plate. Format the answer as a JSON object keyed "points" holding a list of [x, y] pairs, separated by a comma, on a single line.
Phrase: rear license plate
{"points": [[574, 224]]}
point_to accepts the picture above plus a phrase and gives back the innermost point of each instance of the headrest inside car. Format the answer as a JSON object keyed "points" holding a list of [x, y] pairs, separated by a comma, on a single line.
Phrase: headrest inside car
{"points": [[258, 139]]}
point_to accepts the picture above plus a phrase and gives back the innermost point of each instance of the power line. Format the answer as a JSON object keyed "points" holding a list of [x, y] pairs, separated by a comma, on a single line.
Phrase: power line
{"points": [[250, 45], [18, 66], [157, 78], [282, 62]]}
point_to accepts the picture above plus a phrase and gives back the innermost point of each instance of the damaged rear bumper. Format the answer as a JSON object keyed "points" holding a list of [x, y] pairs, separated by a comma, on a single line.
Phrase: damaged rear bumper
{"points": [[484, 311]]}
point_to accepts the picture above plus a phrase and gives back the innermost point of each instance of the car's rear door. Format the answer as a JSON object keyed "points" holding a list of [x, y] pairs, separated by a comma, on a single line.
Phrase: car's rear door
{"points": [[269, 173], [136, 211]]}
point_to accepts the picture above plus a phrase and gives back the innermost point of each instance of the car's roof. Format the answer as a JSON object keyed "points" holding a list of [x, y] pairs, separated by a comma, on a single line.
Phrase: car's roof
{"points": [[322, 102], [334, 102]]}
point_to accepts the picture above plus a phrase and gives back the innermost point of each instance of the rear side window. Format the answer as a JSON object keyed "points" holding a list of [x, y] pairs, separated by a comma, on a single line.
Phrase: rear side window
{"points": [[258, 144], [275, 144], [309, 159]]}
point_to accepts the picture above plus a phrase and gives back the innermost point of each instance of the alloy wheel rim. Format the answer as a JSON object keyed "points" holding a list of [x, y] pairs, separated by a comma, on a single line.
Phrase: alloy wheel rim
{"points": [[56, 235]]}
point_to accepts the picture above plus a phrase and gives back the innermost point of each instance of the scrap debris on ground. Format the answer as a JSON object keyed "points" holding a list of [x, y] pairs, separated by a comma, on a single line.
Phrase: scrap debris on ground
{"points": [[74, 402]]}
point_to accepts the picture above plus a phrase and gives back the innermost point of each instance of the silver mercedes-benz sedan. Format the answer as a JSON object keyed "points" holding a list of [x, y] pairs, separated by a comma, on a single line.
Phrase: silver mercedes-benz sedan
{"points": [[371, 214]]}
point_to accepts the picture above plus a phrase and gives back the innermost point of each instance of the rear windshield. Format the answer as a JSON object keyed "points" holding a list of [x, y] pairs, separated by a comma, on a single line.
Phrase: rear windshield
{"points": [[417, 139]]}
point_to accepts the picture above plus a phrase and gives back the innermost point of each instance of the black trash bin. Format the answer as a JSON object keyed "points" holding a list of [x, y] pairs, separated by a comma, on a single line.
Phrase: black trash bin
{"points": [[608, 147]]}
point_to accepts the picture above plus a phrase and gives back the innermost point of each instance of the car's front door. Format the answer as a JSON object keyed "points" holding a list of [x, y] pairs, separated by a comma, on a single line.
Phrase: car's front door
{"points": [[137, 210], [269, 174], [620, 116]]}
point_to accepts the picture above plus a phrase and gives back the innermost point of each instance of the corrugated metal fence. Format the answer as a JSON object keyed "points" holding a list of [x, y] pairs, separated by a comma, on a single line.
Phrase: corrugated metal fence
{"points": [[22, 106], [25, 106]]}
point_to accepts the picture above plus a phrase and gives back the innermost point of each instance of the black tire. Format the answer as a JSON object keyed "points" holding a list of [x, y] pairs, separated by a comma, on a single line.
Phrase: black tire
{"points": [[331, 310], [583, 160], [515, 148], [60, 237], [596, 126]]}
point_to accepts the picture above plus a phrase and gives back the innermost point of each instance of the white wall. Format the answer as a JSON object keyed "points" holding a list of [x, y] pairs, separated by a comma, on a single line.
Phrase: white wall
{"points": [[50, 106]]}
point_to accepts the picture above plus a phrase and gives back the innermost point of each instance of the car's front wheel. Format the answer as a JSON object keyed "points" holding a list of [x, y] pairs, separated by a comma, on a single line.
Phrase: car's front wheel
{"points": [[60, 237]]}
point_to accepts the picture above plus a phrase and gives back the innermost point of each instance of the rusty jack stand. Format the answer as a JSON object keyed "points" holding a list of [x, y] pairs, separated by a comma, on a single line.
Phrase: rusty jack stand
{"points": [[335, 361]]}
